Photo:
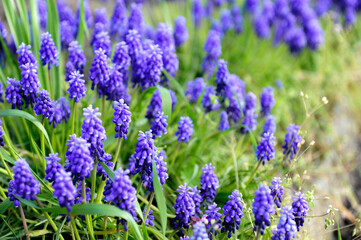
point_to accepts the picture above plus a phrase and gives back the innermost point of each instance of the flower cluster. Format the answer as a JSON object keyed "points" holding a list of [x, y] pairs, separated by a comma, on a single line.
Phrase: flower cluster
{"points": [[180, 31], [277, 191], [184, 208], [194, 89], [233, 213], [209, 183], [29, 82], [61, 112], [213, 49], [99, 71], [77, 89], [222, 77], [185, 129], [263, 207], [300, 209], [159, 125], [199, 232], [64, 189], [197, 198], [13, 93], [286, 228], [44, 105], [213, 216], [48, 53], [266, 149], [122, 118], [292, 141], [52, 166]]}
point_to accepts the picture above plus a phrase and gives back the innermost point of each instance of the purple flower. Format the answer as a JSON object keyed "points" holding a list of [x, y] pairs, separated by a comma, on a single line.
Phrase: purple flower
{"points": [[100, 16], [122, 194], [76, 56], [261, 26], [52, 166], [268, 11], [184, 208], [24, 184], [267, 101], [78, 159], [61, 112], [93, 131], [263, 207], [150, 218], [252, 6], [251, 102], [322, 6], [223, 122], [25, 55], [149, 32], [180, 31], [197, 12], [283, 25], [197, 198], [292, 140], [266, 148], [217, 26], [213, 215], [209, 183], [153, 67], [102, 41], [194, 89], [160, 164], [237, 18], [99, 71], [64, 189], [296, 40], [269, 125], [232, 212], [221, 78], [13, 93], [314, 34], [135, 20], [134, 42], [300, 209], [212, 45], [43, 14], [277, 191], [65, 12], [48, 53], [44, 105], [66, 34], [350, 16], [29, 82], [121, 57], [282, 8], [159, 125], [107, 159], [77, 88], [286, 228], [122, 118], [1, 134], [184, 238], [79, 196], [227, 20], [249, 122], [154, 106], [209, 100], [116, 87], [119, 21], [87, 13], [185, 129], [199, 232]]}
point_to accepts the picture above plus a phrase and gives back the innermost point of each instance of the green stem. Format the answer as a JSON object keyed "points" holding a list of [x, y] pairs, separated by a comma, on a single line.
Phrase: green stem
{"points": [[125, 235], [148, 208], [94, 179], [258, 233], [42, 141], [24, 222], [100, 191], [253, 173], [74, 227], [10, 145], [73, 117], [117, 151], [89, 226], [175, 156], [139, 186], [83, 190], [6, 166], [118, 233], [50, 82]]}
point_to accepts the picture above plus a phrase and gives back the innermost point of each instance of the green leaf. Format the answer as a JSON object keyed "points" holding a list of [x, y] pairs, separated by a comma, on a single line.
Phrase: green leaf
{"points": [[10, 14], [108, 170], [166, 101], [27, 202], [83, 27], [23, 12], [38, 233], [103, 210], [59, 229], [159, 196], [29, 117], [5, 205]]}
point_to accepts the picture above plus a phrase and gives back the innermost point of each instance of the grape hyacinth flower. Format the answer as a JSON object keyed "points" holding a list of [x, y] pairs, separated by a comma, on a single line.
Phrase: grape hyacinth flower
{"points": [[209, 183], [277, 191], [296, 40], [64, 189], [107, 159], [266, 148], [150, 218], [199, 232], [100, 16], [268, 11], [269, 125], [292, 140], [161, 169], [249, 122], [314, 34], [93, 131], [159, 125], [1, 134], [251, 6], [116, 87], [261, 26], [197, 198], [43, 13], [194, 89], [134, 43], [48, 52], [44, 105], [221, 78], [209, 100], [76, 56], [233, 213], [300, 209], [29, 83], [99, 71], [53, 166], [122, 194], [135, 20], [66, 34], [213, 50], [217, 26], [237, 18], [154, 106], [121, 57], [25, 55], [197, 12], [61, 112], [77, 89], [226, 19], [78, 158], [121, 119], [119, 21], [24, 184], [267, 101], [153, 67], [184, 208], [251, 102], [101, 40], [13, 93], [223, 123], [263, 207], [213, 216], [180, 31], [286, 228], [185, 129]]}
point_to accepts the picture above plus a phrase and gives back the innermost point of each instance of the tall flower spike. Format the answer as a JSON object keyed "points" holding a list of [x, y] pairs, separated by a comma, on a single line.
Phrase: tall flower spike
{"points": [[223, 123], [29, 82], [296, 40], [286, 228], [199, 232], [61, 112], [43, 13], [233, 213], [197, 12], [99, 71], [13, 93], [226, 19], [53, 166], [78, 158], [249, 122], [159, 125], [213, 215], [300, 209], [180, 31], [222, 77], [134, 42], [263, 207], [101, 17], [261, 26], [116, 87], [119, 21], [237, 18], [185, 129], [150, 218], [121, 119], [121, 57], [25, 55], [101, 40], [277, 191], [194, 89], [292, 140], [76, 56], [153, 67], [44, 105], [93, 131], [77, 88], [251, 101], [1, 134], [197, 198], [184, 208], [154, 107], [269, 125], [64, 189], [24, 184], [135, 20], [209, 183], [147, 175], [66, 34], [267, 101], [209, 100], [122, 194], [266, 148], [212, 46], [48, 53]]}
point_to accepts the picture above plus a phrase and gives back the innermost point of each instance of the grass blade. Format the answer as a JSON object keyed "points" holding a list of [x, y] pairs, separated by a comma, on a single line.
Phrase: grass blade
{"points": [[166, 101], [59, 229], [5, 205]]}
